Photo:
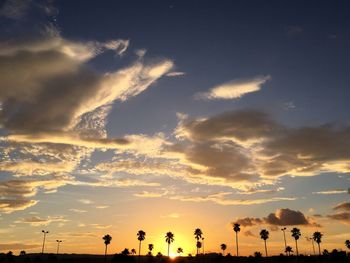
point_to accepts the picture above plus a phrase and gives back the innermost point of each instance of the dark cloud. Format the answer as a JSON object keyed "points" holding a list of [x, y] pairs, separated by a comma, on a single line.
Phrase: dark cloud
{"points": [[282, 217], [286, 217], [249, 221], [342, 206], [342, 216]]}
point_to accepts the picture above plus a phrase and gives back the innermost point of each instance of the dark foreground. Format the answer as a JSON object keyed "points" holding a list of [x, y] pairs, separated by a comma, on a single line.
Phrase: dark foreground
{"points": [[339, 257]]}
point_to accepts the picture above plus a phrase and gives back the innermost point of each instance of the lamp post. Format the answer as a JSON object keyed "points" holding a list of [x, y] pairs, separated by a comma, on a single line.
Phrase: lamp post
{"points": [[58, 245], [44, 232], [284, 237]]}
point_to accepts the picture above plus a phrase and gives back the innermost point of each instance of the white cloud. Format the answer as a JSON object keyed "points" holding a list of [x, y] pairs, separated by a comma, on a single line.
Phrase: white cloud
{"points": [[233, 89]]}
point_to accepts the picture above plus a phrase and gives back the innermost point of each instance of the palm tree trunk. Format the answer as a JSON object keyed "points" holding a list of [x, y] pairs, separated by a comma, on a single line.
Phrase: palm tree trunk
{"points": [[139, 250], [169, 249], [319, 249], [265, 248], [237, 243], [296, 247], [106, 253]]}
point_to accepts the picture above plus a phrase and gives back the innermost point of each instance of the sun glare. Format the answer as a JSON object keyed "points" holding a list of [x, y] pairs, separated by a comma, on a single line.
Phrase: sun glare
{"points": [[172, 255]]}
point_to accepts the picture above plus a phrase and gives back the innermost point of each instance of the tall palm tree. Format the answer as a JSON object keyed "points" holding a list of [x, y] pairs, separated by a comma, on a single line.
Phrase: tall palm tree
{"points": [[288, 250], [317, 236], [236, 228], [264, 234], [180, 250], [347, 243], [141, 235], [223, 248], [296, 234], [169, 238], [198, 235], [107, 240], [150, 248]]}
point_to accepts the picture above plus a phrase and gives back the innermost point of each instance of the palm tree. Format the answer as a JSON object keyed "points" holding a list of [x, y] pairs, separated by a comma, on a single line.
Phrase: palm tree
{"points": [[198, 245], [107, 240], [180, 251], [141, 235], [198, 235], [347, 243], [264, 234], [223, 248], [317, 236], [169, 238], [133, 251], [288, 250], [296, 234], [236, 228], [150, 248]]}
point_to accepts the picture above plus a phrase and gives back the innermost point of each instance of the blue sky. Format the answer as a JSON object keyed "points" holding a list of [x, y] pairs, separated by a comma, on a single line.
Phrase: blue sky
{"points": [[113, 109]]}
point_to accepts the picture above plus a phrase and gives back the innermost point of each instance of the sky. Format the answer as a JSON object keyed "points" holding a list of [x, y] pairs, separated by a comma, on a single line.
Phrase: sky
{"points": [[117, 116]]}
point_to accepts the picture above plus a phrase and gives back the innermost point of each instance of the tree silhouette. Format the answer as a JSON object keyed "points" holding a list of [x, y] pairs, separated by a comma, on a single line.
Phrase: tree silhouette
{"points": [[236, 228], [223, 248], [107, 240], [288, 250], [141, 235], [150, 248], [296, 234], [180, 251], [347, 243], [198, 235], [317, 236], [126, 252], [169, 238], [264, 234], [133, 251]]}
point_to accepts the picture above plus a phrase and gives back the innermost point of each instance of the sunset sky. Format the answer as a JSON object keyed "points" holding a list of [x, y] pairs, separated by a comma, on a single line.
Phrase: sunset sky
{"points": [[167, 115]]}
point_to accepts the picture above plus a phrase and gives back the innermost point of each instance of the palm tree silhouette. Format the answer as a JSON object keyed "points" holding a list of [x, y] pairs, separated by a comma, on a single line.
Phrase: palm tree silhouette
{"points": [[107, 240], [198, 245], [284, 238], [317, 236], [198, 235], [264, 234], [296, 234], [150, 248], [347, 243], [141, 235], [223, 248], [169, 238], [133, 251], [180, 251], [236, 228], [288, 250]]}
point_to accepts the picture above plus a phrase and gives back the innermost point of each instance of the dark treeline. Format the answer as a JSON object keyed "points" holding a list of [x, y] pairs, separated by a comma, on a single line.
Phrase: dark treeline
{"points": [[333, 257]]}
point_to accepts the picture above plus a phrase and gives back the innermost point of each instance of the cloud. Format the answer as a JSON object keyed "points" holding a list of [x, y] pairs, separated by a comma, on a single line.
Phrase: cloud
{"points": [[147, 194], [332, 192], [343, 217], [77, 210], [37, 221], [342, 206], [175, 74], [233, 89], [14, 9], [293, 31], [222, 199], [282, 217]]}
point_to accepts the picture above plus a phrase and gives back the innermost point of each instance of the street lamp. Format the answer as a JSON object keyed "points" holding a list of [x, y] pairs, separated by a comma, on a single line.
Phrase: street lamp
{"points": [[58, 245], [44, 232], [285, 242]]}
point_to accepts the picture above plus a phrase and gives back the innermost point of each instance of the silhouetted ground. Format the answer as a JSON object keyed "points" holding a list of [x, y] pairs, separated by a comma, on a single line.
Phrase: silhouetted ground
{"points": [[339, 257]]}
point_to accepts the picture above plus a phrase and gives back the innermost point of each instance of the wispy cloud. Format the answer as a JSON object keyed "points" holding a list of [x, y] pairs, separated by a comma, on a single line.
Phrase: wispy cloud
{"points": [[233, 89], [175, 74], [332, 192]]}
